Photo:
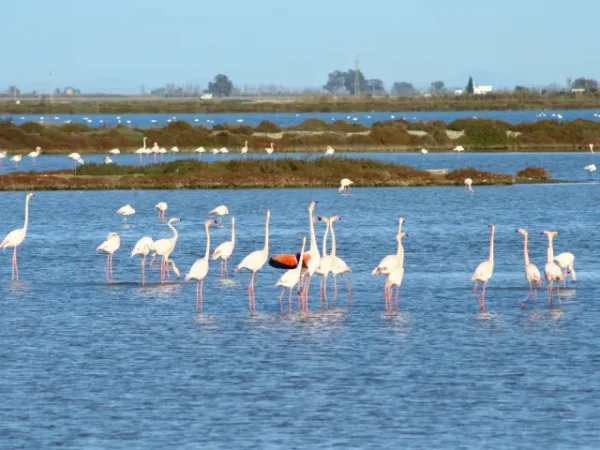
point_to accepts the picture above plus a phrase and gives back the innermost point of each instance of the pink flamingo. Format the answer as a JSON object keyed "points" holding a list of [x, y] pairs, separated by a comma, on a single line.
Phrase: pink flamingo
{"points": [[225, 250], [290, 279], [110, 246], [142, 248], [200, 268], [338, 266], [394, 278], [254, 262], [164, 248], [391, 261], [532, 274], [16, 238], [484, 271], [553, 272], [315, 256]]}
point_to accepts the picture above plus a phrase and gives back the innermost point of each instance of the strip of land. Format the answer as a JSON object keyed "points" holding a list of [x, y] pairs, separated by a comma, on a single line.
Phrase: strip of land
{"points": [[252, 174]]}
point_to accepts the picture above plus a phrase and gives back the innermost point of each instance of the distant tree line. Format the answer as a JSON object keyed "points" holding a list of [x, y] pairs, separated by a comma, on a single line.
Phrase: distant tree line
{"points": [[339, 82]]}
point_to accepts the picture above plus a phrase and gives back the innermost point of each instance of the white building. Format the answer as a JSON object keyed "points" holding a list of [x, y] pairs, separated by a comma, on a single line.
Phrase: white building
{"points": [[206, 96], [481, 90], [459, 92]]}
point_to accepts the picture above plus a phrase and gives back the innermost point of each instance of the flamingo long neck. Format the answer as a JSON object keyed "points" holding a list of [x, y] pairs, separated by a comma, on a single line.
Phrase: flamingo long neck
{"points": [[333, 245], [400, 253], [175, 234], [550, 250], [325, 239], [207, 241], [26, 213], [313, 239], [492, 246], [266, 249], [233, 232], [526, 251], [299, 266], [145, 143]]}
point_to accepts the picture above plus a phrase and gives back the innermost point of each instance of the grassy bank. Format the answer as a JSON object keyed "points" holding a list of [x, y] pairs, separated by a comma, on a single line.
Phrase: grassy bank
{"points": [[310, 135], [310, 103], [280, 173]]}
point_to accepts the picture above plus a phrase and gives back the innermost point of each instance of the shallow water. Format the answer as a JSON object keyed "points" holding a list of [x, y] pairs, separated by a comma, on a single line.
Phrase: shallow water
{"points": [[86, 365], [289, 119], [562, 166]]}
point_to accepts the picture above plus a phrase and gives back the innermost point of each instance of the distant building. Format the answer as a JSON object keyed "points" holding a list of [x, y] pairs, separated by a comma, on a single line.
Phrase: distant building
{"points": [[206, 96], [479, 89], [459, 92], [578, 91]]}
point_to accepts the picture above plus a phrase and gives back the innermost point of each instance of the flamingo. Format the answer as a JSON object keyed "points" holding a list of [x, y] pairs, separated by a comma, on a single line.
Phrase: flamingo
{"points": [[35, 154], [144, 246], [175, 149], [2, 156], [76, 158], [532, 274], [338, 266], [329, 151], [110, 246], [164, 248], [389, 262], [220, 211], [215, 151], [16, 238], [142, 150], [345, 184], [484, 271], [424, 151], [162, 152], [155, 149], [459, 149], [16, 159], [566, 261], [270, 149], [591, 147], [325, 265], [125, 211], [315, 256], [115, 151], [395, 278], [223, 150], [552, 270], [254, 262], [107, 160], [468, 184], [290, 279], [244, 149], [200, 268], [162, 208], [225, 250], [200, 150], [590, 168]]}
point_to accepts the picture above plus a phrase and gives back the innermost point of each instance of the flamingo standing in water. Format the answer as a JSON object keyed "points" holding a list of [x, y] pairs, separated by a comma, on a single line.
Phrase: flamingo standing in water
{"points": [[200, 268], [484, 271], [164, 248], [566, 262], [33, 155], [144, 246], [325, 265], [290, 279], [254, 262], [16, 238], [395, 278], [329, 151], [459, 149], [142, 150], [270, 149], [389, 262], [244, 149], [345, 186], [16, 159], [162, 208], [2, 156], [225, 250], [468, 184], [314, 256], [338, 265], [552, 271], [125, 211], [532, 274], [110, 246], [220, 211]]}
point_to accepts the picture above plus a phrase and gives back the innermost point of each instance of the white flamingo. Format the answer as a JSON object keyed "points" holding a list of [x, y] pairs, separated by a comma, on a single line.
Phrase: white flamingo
{"points": [[200, 268], [2, 156], [329, 151], [552, 270], [16, 159], [338, 265], [290, 279], [220, 211], [566, 262], [324, 268], [590, 168], [33, 155], [110, 246], [16, 238], [215, 151], [395, 278], [389, 262], [225, 250], [254, 262], [142, 150], [532, 273], [424, 151], [115, 151], [142, 247], [164, 248], [345, 184], [459, 149], [162, 208], [200, 150], [244, 149], [175, 149], [155, 150], [223, 150], [315, 256], [484, 271], [270, 149], [468, 184], [76, 158], [125, 211]]}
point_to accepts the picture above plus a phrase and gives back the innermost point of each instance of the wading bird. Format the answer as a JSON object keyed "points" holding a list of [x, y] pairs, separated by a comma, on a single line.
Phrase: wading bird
{"points": [[110, 246], [484, 271], [16, 238], [225, 250], [200, 268]]}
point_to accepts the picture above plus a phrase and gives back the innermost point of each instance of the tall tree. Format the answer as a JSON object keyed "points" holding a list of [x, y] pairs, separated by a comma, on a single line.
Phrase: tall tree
{"points": [[437, 86], [221, 87], [470, 88], [349, 82], [375, 86], [335, 82], [403, 88], [585, 83]]}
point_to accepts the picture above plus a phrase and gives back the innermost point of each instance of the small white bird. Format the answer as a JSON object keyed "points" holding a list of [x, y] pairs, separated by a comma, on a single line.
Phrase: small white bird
{"points": [[175, 149], [590, 168], [345, 184], [114, 151], [162, 208], [468, 184], [200, 150], [107, 160], [125, 211], [223, 150], [220, 211], [329, 150], [215, 151], [270, 149]]}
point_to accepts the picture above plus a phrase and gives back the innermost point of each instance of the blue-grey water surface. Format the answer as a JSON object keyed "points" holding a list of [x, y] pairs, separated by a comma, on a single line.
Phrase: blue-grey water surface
{"points": [[89, 365]]}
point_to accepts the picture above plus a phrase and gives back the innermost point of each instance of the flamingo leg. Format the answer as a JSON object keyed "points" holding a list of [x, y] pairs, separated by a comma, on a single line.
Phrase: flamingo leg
{"points": [[281, 300], [483, 296], [221, 268], [325, 291], [349, 284], [397, 300], [290, 302], [226, 269], [144, 270], [201, 295], [197, 296], [565, 278], [251, 301], [335, 290]]}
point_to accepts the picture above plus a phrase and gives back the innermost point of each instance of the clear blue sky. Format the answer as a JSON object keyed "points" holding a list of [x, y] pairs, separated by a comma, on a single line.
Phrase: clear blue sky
{"points": [[119, 45]]}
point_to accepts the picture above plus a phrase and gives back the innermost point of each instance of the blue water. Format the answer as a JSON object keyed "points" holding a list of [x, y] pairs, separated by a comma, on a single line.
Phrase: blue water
{"points": [[89, 365], [289, 119], [562, 166]]}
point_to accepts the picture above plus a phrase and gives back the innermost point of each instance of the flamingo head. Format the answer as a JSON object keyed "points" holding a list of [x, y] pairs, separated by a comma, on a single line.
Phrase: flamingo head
{"points": [[522, 231], [30, 195], [321, 218], [210, 222], [335, 218], [312, 205], [492, 226], [402, 220], [549, 234], [174, 219], [399, 236]]}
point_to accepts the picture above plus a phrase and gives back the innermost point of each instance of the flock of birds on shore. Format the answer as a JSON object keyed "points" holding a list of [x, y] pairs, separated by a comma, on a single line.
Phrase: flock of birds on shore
{"points": [[302, 266]]}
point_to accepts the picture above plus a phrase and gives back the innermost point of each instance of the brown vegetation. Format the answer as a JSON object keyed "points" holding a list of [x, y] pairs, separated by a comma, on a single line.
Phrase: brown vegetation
{"points": [[534, 173]]}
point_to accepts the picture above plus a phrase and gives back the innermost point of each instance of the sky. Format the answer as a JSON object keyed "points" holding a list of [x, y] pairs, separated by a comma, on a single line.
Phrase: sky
{"points": [[119, 45]]}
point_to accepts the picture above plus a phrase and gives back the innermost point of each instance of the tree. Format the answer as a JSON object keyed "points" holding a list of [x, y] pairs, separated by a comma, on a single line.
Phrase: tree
{"points": [[437, 86], [349, 82], [403, 88], [470, 88], [585, 83], [221, 87], [376, 86], [335, 82], [520, 88]]}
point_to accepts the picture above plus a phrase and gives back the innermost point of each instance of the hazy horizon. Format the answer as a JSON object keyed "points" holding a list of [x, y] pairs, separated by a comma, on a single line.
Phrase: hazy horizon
{"points": [[117, 47]]}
